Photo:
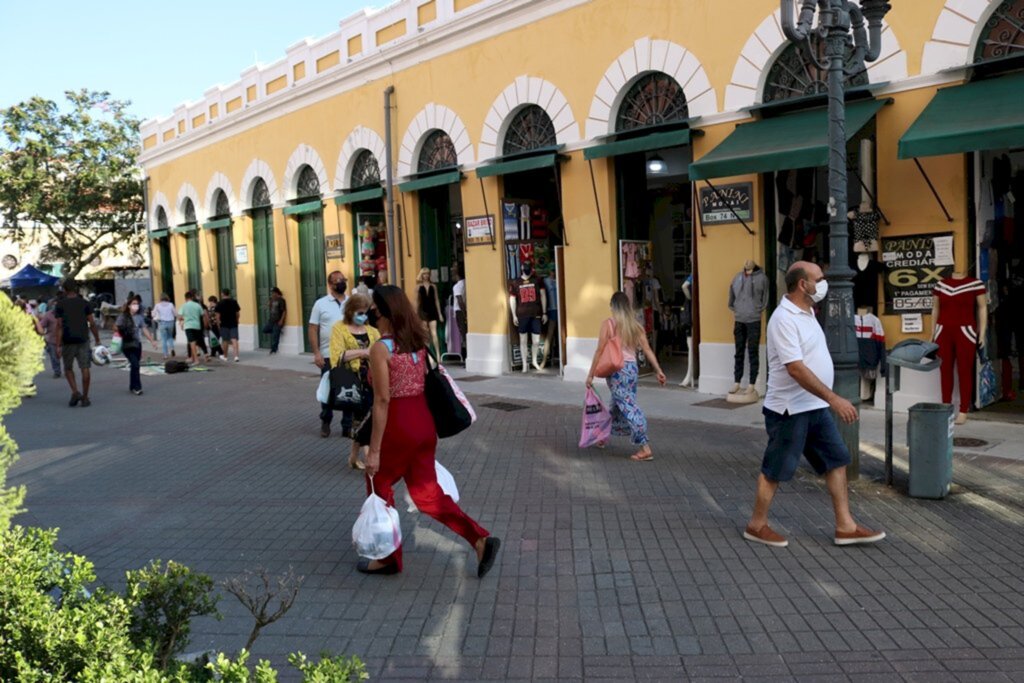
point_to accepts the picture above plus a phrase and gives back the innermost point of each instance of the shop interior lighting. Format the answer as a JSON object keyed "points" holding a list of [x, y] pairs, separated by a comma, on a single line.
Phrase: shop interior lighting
{"points": [[656, 164]]}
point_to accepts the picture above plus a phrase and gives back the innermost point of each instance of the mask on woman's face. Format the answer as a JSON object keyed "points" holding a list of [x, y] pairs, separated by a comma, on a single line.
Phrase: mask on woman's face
{"points": [[134, 308], [360, 318]]}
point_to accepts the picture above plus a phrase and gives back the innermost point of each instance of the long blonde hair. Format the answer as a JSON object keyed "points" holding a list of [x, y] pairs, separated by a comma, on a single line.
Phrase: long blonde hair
{"points": [[628, 328]]}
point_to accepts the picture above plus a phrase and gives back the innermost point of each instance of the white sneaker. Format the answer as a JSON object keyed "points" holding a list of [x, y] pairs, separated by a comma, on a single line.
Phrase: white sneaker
{"points": [[735, 388], [236, 359]]}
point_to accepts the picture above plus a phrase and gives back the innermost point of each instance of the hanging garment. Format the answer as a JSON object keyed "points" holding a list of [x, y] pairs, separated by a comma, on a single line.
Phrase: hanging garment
{"points": [[956, 335], [865, 226], [524, 221], [865, 285], [510, 220], [525, 253], [870, 345]]}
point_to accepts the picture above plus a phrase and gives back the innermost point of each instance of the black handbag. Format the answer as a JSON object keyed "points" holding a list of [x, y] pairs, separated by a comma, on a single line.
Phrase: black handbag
{"points": [[450, 416], [346, 387]]}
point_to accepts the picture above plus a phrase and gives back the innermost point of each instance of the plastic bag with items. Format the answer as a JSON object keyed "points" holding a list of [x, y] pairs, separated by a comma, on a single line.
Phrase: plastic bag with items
{"points": [[376, 533], [597, 421], [445, 480]]}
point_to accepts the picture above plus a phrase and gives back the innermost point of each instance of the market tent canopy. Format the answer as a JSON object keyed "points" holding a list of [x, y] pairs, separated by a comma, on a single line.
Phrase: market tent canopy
{"points": [[968, 118], [30, 276], [785, 142]]}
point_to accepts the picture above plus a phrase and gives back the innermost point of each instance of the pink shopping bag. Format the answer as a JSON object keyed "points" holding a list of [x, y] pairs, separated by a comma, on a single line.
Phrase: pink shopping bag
{"points": [[597, 421]]}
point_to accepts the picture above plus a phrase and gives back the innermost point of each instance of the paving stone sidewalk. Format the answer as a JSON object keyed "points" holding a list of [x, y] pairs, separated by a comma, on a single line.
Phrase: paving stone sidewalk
{"points": [[609, 570]]}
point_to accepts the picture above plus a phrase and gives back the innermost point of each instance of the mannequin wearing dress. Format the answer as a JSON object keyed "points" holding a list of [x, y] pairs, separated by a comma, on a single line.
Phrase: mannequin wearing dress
{"points": [[959, 324]]}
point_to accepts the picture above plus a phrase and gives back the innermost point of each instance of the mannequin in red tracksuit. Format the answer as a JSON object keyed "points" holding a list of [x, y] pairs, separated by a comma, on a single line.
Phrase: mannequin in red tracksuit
{"points": [[960, 319]]}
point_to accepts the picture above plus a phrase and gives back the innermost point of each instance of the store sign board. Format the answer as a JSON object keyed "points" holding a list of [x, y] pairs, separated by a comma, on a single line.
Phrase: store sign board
{"points": [[334, 247], [914, 264], [479, 229], [241, 254], [725, 202]]}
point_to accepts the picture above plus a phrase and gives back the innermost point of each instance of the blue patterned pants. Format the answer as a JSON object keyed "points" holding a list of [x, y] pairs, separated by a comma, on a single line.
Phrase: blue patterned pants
{"points": [[627, 418]]}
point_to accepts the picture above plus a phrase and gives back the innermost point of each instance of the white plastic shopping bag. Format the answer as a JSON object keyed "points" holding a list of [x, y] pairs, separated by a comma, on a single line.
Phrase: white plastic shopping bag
{"points": [[596, 427], [323, 390], [444, 479], [116, 343], [376, 533]]}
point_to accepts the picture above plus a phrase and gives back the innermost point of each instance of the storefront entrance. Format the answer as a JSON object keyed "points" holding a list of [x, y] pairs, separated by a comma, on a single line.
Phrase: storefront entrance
{"points": [[166, 267], [308, 211], [441, 249]]}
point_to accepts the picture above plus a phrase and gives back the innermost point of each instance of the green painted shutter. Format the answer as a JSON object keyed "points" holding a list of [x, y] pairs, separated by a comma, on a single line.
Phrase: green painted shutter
{"points": [[166, 268], [226, 260], [266, 271], [312, 264], [195, 277]]}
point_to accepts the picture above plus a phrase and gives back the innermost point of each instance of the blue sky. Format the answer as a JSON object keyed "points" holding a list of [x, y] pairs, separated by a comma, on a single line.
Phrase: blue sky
{"points": [[155, 54]]}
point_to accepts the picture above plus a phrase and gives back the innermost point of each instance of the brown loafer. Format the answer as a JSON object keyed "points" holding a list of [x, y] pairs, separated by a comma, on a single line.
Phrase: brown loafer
{"points": [[859, 536], [766, 536]]}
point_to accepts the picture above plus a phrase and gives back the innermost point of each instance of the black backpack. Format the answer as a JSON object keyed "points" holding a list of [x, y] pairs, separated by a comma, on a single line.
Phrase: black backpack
{"points": [[173, 366]]}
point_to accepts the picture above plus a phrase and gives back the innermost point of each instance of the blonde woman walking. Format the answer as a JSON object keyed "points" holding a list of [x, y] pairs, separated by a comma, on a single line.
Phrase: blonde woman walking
{"points": [[627, 417]]}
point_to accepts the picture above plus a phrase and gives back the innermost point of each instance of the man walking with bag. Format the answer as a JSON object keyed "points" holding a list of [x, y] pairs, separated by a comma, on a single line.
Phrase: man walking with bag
{"points": [[327, 312], [798, 410]]}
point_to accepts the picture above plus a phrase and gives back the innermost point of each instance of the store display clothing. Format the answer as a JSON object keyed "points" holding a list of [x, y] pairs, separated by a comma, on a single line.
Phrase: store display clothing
{"points": [[748, 296], [870, 345], [408, 448], [527, 295], [957, 336], [748, 340], [427, 304], [865, 284], [864, 226]]}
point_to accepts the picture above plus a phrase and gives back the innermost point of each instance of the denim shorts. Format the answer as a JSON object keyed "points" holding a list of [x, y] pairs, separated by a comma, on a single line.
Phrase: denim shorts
{"points": [[228, 333], [813, 435]]}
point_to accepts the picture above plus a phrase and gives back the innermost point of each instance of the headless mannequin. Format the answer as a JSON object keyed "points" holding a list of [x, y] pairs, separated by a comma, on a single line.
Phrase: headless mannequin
{"points": [[942, 329], [866, 385], [524, 348], [688, 380], [747, 299]]}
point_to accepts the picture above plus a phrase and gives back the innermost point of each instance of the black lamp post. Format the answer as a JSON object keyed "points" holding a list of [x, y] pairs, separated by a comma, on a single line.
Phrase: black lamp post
{"points": [[836, 19]]}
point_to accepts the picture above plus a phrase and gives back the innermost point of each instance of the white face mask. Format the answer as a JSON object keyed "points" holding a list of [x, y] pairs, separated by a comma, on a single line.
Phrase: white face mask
{"points": [[820, 290], [134, 308]]}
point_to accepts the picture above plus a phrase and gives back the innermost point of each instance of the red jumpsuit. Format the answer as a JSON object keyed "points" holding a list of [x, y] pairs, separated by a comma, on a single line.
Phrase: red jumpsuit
{"points": [[407, 451], [956, 334]]}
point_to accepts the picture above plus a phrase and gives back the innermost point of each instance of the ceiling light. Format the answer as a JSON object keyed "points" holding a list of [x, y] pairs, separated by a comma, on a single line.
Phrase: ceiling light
{"points": [[656, 164]]}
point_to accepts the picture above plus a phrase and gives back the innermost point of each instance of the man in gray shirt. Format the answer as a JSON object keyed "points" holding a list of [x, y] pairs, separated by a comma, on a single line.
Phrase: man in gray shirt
{"points": [[748, 297]]}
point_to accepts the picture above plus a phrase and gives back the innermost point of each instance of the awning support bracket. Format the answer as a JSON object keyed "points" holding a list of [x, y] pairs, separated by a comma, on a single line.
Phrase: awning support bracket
{"points": [[932, 188], [729, 204], [874, 201], [597, 204], [487, 213]]}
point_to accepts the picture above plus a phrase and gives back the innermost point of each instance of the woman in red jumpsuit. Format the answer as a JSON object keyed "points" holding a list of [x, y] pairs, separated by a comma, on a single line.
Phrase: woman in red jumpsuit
{"points": [[404, 438]]}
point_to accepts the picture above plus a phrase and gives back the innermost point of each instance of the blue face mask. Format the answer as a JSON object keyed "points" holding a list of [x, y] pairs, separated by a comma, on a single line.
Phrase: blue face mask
{"points": [[360, 318]]}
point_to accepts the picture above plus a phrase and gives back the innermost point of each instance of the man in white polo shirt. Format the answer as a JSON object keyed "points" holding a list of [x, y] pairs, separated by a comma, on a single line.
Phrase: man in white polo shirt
{"points": [[798, 410], [327, 312]]}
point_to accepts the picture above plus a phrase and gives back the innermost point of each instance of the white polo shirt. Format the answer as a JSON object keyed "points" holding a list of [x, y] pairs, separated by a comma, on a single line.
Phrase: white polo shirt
{"points": [[327, 311], [794, 334]]}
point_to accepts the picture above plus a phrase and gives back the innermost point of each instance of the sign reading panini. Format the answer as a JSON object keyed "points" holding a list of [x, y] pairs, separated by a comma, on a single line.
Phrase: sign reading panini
{"points": [[726, 203], [913, 266]]}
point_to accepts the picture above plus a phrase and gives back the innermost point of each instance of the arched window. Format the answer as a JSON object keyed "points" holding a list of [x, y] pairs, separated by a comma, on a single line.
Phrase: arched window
{"points": [[1003, 33], [260, 194], [530, 128], [221, 204], [365, 170], [654, 99], [309, 183], [161, 218], [795, 74], [438, 151], [189, 211]]}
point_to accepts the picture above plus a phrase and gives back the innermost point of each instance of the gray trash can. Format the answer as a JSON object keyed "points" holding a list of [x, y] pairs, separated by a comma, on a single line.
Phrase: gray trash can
{"points": [[930, 441]]}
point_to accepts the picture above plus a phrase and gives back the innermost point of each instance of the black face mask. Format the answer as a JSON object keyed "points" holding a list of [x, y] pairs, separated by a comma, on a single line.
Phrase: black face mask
{"points": [[340, 287], [527, 271]]}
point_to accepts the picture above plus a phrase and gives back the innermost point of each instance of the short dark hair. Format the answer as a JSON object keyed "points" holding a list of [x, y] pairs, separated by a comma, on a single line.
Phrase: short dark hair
{"points": [[70, 285], [794, 277], [225, 292], [275, 290], [189, 295]]}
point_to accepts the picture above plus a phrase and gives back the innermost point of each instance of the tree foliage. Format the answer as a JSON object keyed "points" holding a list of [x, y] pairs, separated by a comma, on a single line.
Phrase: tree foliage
{"points": [[71, 173]]}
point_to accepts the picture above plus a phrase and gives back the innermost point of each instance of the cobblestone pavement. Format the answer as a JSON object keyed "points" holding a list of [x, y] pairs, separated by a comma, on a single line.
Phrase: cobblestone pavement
{"points": [[609, 569]]}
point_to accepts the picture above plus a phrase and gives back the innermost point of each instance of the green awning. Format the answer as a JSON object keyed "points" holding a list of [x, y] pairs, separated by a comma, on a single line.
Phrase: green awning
{"points": [[968, 118], [511, 166], [359, 196], [305, 207], [429, 181], [219, 223], [789, 141], [157, 234], [185, 227], [645, 143]]}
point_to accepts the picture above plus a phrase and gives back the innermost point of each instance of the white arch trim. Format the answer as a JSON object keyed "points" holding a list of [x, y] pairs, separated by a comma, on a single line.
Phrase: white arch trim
{"points": [[219, 181], [644, 56], [433, 117], [527, 90], [187, 192], [767, 41], [955, 34], [159, 200], [303, 155], [258, 169], [360, 138]]}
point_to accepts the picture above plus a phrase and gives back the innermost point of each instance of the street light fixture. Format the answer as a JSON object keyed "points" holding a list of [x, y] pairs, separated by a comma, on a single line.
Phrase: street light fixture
{"points": [[836, 20]]}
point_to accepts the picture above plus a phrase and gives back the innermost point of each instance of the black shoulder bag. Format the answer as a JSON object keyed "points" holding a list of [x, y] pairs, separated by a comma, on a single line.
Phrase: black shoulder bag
{"points": [[450, 416]]}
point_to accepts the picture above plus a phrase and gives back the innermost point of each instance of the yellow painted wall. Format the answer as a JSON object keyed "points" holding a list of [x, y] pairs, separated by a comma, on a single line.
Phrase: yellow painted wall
{"points": [[426, 13], [149, 142], [299, 71], [277, 84], [572, 50], [389, 33]]}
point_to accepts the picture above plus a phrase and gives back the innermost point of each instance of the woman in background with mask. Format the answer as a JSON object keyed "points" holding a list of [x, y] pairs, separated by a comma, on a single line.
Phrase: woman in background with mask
{"points": [[350, 343], [131, 324]]}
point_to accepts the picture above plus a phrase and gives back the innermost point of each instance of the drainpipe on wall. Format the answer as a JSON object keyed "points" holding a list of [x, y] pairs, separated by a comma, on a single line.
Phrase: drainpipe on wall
{"points": [[389, 187]]}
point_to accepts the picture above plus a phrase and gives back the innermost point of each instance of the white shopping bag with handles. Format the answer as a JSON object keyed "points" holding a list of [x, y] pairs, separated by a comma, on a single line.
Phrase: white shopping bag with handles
{"points": [[376, 533], [446, 481]]}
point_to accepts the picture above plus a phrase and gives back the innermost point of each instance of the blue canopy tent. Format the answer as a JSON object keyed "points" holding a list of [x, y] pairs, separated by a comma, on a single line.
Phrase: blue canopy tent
{"points": [[29, 277]]}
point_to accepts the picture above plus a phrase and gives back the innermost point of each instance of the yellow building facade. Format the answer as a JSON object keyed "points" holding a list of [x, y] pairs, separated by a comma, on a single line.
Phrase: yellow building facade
{"points": [[498, 106]]}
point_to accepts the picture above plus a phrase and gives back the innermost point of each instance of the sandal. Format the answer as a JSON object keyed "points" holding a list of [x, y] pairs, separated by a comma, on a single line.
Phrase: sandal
{"points": [[356, 465], [641, 456]]}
